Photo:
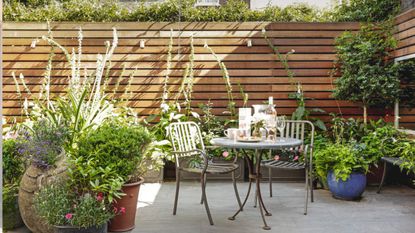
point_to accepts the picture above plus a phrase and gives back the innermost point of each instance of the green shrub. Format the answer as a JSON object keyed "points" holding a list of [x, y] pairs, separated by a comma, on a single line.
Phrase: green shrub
{"points": [[342, 159], [109, 156], [382, 142], [365, 10], [406, 151], [167, 11], [13, 162], [11, 214], [13, 169], [406, 71]]}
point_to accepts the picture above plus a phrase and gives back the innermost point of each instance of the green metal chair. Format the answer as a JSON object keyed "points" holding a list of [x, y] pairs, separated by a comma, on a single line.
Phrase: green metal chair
{"points": [[187, 143], [296, 129]]}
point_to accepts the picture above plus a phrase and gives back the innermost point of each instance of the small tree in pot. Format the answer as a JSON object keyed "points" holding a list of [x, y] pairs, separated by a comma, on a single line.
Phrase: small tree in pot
{"points": [[121, 147], [367, 74]]}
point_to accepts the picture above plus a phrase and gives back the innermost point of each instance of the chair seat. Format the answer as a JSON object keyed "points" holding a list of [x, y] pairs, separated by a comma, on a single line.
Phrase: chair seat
{"points": [[283, 164], [214, 168], [391, 160]]}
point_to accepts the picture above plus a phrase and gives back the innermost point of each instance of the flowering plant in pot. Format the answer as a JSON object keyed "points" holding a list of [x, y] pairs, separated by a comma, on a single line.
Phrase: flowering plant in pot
{"points": [[41, 144], [344, 166], [69, 211], [119, 146]]}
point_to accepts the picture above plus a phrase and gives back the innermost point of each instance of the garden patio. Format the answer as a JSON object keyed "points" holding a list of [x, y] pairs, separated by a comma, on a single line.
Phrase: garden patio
{"points": [[291, 119], [391, 211]]}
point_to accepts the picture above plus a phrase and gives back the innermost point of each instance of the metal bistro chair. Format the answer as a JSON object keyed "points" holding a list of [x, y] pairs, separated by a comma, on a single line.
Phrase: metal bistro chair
{"points": [[187, 142], [296, 129]]}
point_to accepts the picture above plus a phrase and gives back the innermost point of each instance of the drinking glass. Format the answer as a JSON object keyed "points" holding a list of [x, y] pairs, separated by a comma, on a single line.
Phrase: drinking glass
{"points": [[270, 126], [280, 123]]}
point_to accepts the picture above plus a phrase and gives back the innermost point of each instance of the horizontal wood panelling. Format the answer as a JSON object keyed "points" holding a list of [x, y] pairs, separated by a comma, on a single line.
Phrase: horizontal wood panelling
{"points": [[405, 24], [405, 34], [256, 68]]}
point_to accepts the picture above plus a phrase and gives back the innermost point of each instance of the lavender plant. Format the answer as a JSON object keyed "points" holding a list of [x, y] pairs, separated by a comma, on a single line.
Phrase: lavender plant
{"points": [[43, 143]]}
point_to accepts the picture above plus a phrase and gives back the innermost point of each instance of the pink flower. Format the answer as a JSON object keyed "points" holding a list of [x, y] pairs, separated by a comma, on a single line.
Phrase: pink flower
{"points": [[115, 210], [68, 216], [100, 197], [225, 154], [295, 158], [277, 157], [122, 210]]}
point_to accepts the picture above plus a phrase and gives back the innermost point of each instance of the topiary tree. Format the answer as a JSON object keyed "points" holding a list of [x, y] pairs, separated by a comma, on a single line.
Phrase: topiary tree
{"points": [[367, 74]]}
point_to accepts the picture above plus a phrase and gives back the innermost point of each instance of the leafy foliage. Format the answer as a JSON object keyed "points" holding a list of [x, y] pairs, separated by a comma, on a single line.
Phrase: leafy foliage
{"points": [[367, 75], [60, 206], [302, 113], [382, 142], [365, 10], [13, 169], [407, 154], [406, 71], [109, 156], [166, 11], [13, 162], [11, 214], [342, 159]]}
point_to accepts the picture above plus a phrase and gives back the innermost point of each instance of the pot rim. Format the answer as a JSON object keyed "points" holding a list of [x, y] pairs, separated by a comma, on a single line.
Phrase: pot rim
{"points": [[77, 227], [135, 183]]}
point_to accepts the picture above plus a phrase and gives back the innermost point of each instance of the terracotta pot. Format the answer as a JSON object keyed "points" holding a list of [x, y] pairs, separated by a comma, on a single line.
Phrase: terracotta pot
{"points": [[71, 229], [126, 221], [33, 179]]}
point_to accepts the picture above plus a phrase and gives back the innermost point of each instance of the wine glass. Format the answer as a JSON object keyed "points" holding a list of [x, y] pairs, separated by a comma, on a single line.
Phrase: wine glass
{"points": [[270, 126], [280, 124]]}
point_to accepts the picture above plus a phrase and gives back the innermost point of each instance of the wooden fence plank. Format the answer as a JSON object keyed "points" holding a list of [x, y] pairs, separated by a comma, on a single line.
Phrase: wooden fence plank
{"points": [[255, 68]]}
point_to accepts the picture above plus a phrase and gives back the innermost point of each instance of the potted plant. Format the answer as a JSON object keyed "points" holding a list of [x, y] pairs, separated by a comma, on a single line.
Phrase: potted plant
{"points": [[368, 75], [344, 167], [13, 169], [69, 212], [121, 147], [41, 143]]}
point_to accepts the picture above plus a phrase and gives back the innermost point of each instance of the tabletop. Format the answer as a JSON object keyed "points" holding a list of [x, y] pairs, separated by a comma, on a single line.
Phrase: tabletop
{"points": [[262, 145]]}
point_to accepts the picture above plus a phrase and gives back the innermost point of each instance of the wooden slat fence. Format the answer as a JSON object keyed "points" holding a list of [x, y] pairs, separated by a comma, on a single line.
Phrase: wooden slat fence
{"points": [[256, 68], [405, 24]]}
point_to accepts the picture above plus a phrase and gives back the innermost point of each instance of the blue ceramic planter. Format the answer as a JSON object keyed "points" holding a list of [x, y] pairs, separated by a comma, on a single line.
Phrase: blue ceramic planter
{"points": [[351, 189]]}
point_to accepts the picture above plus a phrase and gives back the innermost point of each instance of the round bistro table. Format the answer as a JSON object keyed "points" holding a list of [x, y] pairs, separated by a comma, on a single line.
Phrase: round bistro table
{"points": [[254, 164]]}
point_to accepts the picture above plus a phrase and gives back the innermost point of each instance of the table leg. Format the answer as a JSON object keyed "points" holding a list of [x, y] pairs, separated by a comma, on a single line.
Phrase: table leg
{"points": [[258, 190], [247, 194]]}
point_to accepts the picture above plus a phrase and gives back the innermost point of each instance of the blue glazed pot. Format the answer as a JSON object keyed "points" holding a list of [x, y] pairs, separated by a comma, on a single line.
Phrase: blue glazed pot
{"points": [[351, 189]]}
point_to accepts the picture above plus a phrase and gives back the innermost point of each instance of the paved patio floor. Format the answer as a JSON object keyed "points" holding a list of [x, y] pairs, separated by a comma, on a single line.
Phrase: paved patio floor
{"points": [[392, 211]]}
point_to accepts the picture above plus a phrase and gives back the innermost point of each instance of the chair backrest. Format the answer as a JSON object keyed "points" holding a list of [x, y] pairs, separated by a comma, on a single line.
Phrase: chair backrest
{"points": [[185, 136], [299, 129]]}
